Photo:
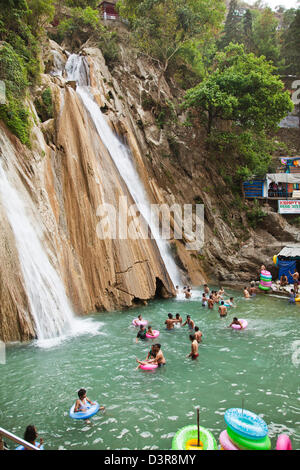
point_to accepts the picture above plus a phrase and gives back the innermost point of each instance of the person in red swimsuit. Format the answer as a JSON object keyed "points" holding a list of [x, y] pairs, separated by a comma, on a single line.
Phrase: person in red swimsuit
{"points": [[194, 349]]}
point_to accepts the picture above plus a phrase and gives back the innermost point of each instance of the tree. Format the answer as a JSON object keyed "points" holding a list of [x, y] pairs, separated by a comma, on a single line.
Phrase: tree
{"points": [[265, 35], [242, 89], [291, 46], [247, 24], [233, 25], [40, 12], [163, 28]]}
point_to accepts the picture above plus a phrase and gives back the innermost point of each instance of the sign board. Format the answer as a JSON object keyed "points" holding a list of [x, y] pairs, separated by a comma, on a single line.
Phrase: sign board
{"points": [[289, 207]]}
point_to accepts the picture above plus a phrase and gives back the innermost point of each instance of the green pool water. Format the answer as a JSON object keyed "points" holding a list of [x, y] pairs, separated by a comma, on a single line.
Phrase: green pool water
{"points": [[144, 409]]}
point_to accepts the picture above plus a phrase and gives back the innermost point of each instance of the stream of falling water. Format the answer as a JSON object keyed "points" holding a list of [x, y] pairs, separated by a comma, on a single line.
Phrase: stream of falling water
{"points": [[77, 70], [49, 306]]}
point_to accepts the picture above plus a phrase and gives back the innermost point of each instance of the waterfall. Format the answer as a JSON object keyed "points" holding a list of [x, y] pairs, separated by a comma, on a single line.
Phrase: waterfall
{"points": [[76, 70], [48, 302]]}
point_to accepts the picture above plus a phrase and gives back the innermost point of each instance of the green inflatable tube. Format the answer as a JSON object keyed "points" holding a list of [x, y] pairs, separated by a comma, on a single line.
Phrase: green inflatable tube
{"points": [[248, 444], [190, 433], [263, 287], [266, 279]]}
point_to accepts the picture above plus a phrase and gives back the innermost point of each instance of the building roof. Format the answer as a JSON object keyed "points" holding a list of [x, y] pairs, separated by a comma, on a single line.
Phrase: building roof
{"points": [[284, 177], [112, 2], [290, 251]]}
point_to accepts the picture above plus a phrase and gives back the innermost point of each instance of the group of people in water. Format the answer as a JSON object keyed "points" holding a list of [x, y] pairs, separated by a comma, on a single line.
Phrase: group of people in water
{"points": [[209, 299]]}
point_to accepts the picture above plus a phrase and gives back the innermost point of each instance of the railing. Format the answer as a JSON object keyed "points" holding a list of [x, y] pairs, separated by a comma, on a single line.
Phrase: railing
{"points": [[16, 439], [280, 194]]}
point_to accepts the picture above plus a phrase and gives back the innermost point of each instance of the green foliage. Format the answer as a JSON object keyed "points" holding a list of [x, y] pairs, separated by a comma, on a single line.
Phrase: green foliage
{"points": [[21, 25], [40, 12], [233, 28], [82, 22], [249, 153], [13, 72], [242, 89], [255, 214], [44, 105], [265, 35], [291, 45], [108, 43], [167, 29], [16, 117]]}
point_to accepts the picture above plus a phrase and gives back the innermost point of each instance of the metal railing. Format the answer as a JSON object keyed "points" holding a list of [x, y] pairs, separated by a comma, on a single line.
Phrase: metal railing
{"points": [[16, 439]]}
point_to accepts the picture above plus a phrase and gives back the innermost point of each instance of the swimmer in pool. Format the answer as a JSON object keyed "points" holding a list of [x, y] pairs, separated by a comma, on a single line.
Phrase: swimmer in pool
{"points": [[198, 334], [150, 332], [141, 333], [189, 322], [204, 300], [171, 321], [222, 309], [206, 289], [230, 302], [188, 293], [157, 359], [83, 403], [252, 290], [151, 355], [246, 293], [235, 321], [194, 348], [178, 317], [139, 318], [210, 302]]}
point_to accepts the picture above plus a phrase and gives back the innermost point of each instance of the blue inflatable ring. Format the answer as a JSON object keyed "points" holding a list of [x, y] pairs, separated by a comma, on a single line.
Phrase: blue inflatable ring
{"points": [[91, 411], [225, 304], [23, 448], [245, 423]]}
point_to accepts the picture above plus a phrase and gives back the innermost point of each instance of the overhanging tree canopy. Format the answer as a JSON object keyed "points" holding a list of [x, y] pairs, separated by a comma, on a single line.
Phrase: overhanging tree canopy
{"points": [[242, 88]]}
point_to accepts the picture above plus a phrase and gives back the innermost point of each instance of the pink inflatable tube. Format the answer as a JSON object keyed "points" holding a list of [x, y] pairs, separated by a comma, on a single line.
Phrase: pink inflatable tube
{"points": [[137, 322], [266, 273], [155, 334], [226, 442], [243, 322], [283, 442], [149, 366], [266, 283]]}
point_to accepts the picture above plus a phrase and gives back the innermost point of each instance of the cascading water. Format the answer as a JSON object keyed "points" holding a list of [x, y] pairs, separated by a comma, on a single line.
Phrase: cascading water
{"points": [[48, 302], [76, 70]]}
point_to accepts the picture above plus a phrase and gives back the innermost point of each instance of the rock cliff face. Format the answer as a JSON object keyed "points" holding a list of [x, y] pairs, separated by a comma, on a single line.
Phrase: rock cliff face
{"points": [[65, 177], [68, 173]]}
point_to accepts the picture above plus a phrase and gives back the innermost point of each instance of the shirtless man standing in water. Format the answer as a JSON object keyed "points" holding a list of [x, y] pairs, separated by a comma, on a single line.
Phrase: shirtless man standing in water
{"points": [[188, 293], [170, 322], [222, 309], [189, 322], [246, 293], [198, 334], [194, 349]]}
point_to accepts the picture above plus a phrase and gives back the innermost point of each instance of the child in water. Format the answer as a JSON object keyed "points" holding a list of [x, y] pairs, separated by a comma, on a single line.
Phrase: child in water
{"points": [[235, 321], [150, 332], [83, 403]]}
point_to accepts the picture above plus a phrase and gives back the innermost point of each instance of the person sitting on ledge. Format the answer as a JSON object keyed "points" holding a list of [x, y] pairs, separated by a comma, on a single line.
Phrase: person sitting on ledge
{"points": [[284, 280]]}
